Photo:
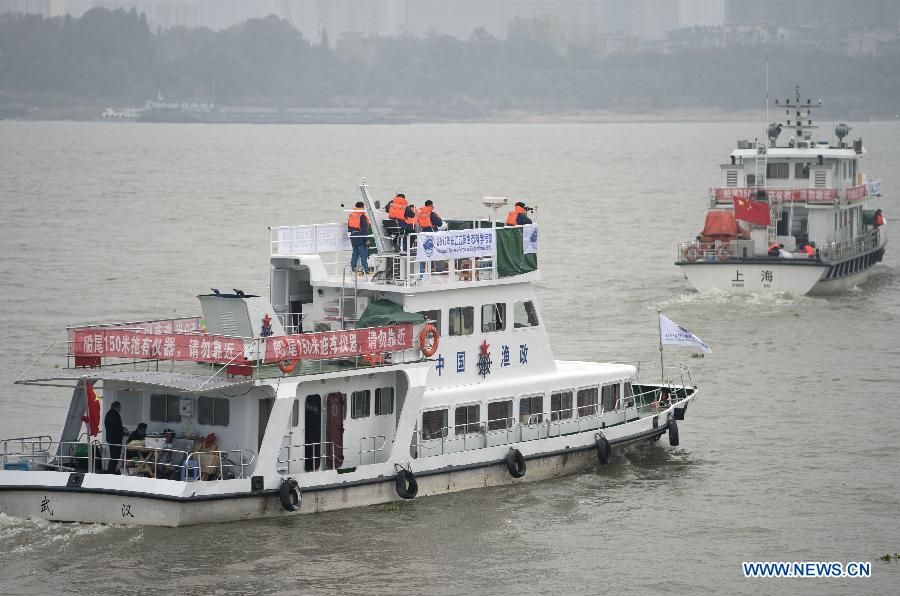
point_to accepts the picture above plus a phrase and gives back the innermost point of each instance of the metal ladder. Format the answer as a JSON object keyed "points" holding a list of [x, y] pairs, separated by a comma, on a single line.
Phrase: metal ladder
{"points": [[344, 292]]}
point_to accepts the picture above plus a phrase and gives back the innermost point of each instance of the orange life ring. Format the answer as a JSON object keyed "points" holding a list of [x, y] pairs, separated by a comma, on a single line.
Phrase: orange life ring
{"points": [[288, 366], [691, 253], [428, 348]]}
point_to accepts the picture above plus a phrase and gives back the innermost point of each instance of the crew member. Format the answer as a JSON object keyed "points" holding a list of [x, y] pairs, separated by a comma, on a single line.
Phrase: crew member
{"points": [[358, 226], [404, 215], [113, 432], [139, 434], [517, 216], [774, 249], [809, 250], [879, 219], [429, 221]]}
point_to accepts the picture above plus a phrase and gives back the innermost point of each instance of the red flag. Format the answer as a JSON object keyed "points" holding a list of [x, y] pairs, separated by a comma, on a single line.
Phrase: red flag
{"points": [[756, 212], [93, 409]]}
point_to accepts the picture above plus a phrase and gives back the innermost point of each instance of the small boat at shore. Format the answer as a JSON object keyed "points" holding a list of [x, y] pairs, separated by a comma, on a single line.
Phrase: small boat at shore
{"points": [[791, 218], [433, 375]]}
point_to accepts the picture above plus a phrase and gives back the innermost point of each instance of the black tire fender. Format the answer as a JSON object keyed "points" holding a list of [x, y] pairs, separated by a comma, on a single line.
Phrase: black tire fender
{"points": [[515, 463], [604, 450], [673, 433], [406, 485], [289, 494]]}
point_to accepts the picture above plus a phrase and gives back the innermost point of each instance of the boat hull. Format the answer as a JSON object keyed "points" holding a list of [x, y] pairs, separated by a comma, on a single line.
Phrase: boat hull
{"points": [[547, 458], [754, 276]]}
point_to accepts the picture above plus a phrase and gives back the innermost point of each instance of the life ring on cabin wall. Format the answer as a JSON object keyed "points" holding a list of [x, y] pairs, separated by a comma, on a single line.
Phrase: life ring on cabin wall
{"points": [[289, 495], [691, 253], [515, 463], [288, 366], [428, 340]]}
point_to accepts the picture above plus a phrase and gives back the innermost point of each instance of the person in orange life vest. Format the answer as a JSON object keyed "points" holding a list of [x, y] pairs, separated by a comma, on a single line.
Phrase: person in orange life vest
{"points": [[775, 249], [517, 216], [879, 219], [403, 213], [809, 250], [429, 221], [358, 226]]}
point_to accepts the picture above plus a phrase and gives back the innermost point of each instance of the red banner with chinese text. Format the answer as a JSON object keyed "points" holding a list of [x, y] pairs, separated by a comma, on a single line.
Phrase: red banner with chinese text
{"points": [[118, 343], [800, 195], [339, 344]]}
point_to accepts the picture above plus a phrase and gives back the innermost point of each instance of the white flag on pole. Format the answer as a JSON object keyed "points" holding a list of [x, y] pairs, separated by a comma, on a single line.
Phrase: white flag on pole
{"points": [[675, 335]]}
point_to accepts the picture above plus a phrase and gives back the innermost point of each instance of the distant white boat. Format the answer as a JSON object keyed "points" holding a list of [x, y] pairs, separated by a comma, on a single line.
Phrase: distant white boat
{"points": [[775, 200]]}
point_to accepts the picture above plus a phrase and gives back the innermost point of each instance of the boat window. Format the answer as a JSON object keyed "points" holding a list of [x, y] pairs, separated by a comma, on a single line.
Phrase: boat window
{"points": [[610, 397], [165, 408], [629, 395], [525, 315], [467, 419], [777, 170], [462, 320], [500, 415], [359, 405], [384, 401], [295, 413], [561, 405], [213, 411], [493, 317], [853, 171], [433, 316], [531, 409], [587, 402], [801, 170], [434, 424]]}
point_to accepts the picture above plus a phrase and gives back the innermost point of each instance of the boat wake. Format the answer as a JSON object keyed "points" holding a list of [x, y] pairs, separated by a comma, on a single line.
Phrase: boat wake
{"points": [[22, 535], [752, 300]]}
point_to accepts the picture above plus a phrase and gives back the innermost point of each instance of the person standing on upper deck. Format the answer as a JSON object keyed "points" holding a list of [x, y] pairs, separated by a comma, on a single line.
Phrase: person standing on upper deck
{"points": [[399, 210], [429, 221], [358, 226], [518, 217]]}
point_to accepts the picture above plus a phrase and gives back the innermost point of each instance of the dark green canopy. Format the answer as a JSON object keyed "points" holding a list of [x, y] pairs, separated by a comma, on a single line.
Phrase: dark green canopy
{"points": [[384, 312]]}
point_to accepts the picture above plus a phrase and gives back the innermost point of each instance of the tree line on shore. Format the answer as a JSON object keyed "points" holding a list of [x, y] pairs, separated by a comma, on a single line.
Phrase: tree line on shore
{"points": [[113, 57]]}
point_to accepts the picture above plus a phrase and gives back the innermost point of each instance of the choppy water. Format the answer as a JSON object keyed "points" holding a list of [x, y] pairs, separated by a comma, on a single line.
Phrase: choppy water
{"points": [[791, 453]]}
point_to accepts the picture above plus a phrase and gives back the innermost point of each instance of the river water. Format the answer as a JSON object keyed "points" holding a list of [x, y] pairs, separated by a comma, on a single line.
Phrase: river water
{"points": [[790, 453]]}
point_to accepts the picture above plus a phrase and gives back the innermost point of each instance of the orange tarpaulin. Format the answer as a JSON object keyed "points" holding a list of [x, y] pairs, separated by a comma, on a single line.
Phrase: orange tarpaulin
{"points": [[721, 225]]}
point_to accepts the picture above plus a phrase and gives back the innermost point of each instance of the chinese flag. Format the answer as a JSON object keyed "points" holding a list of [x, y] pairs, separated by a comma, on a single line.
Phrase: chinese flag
{"points": [[93, 409], [756, 212]]}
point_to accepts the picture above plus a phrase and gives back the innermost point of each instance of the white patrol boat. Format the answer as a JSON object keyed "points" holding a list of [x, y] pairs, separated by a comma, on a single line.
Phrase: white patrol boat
{"points": [[789, 218], [433, 375]]}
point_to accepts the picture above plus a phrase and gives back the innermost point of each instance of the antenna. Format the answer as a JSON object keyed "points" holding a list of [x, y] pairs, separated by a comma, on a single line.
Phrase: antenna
{"points": [[767, 88]]}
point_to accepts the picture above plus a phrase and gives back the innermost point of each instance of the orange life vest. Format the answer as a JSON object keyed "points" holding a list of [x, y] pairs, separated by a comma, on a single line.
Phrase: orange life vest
{"points": [[809, 249], [879, 220], [425, 217], [354, 222], [411, 221], [398, 207], [511, 218]]}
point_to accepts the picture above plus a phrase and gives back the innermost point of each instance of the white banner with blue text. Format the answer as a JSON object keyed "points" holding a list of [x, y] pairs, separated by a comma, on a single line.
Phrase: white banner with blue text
{"points": [[455, 244], [529, 238]]}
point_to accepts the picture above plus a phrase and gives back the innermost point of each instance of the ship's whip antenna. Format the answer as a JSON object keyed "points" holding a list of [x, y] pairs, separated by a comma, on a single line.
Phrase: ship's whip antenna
{"points": [[766, 123]]}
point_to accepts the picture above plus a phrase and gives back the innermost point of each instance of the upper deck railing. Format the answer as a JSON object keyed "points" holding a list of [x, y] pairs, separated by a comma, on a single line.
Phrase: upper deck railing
{"points": [[719, 251], [471, 251]]}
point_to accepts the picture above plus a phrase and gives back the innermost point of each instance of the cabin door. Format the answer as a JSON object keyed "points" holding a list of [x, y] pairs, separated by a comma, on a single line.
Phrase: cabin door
{"points": [[312, 433], [334, 430], [265, 408]]}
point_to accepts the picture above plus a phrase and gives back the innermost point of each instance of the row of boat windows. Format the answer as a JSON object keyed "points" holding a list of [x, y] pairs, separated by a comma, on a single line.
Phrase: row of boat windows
{"points": [[211, 411], [461, 319], [564, 405], [360, 404], [781, 170]]}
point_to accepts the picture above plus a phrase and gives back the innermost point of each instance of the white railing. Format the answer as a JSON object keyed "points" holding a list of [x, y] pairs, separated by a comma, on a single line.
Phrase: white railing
{"points": [[848, 249]]}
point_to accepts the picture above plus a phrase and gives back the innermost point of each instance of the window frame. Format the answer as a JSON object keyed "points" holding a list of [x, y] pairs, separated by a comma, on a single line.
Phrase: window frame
{"points": [[436, 321], [528, 316], [377, 400], [368, 403], [444, 430], [215, 409], [498, 310], [617, 393], [167, 420], [774, 169], [561, 414], [595, 405], [462, 318], [540, 414], [470, 427], [493, 424]]}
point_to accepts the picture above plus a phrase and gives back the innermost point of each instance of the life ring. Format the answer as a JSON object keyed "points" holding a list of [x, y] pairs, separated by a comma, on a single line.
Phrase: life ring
{"points": [[673, 433], [604, 449], [406, 484], [289, 494], [691, 253], [515, 463], [288, 366], [429, 332]]}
